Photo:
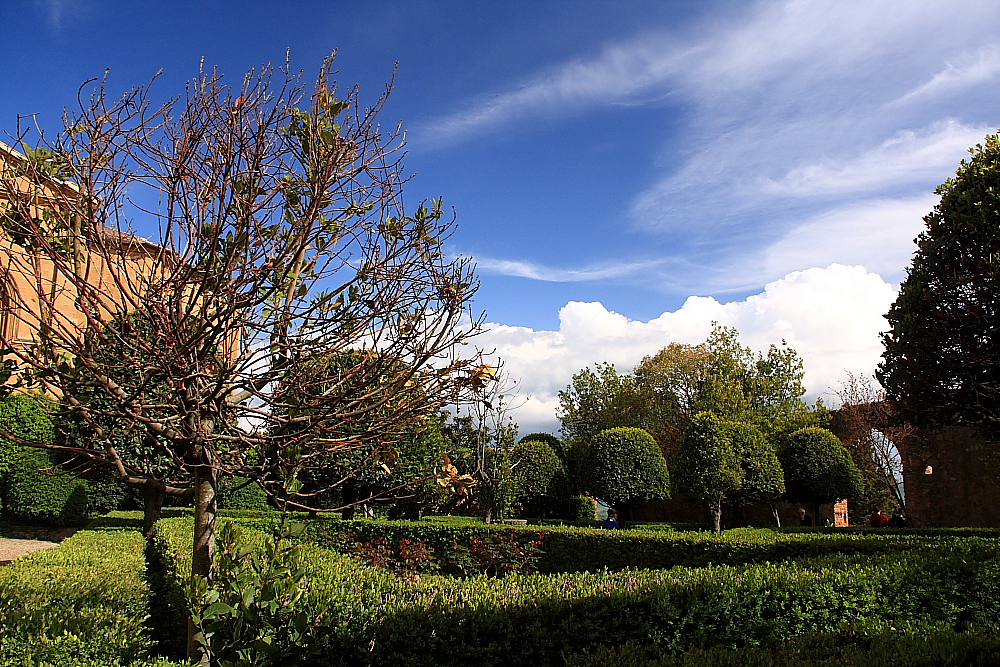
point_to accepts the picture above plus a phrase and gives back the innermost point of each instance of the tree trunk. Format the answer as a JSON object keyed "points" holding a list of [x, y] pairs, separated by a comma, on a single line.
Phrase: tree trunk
{"points": [[774, 513], [816, 514], [152, 507], [715, 507], [349, 494], [204, 548]]}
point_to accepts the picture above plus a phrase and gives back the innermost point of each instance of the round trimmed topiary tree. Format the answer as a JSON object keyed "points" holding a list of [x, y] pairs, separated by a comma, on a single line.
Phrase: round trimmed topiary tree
{"points": [[626, 466], [818, 468], [539, 477], [552, 441]]}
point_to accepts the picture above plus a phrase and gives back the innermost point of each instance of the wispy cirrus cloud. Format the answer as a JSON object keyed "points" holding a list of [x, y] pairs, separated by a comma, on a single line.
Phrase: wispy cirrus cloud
{"points": [[523, 269], [618, 73], [972, 70], [912, 156]]}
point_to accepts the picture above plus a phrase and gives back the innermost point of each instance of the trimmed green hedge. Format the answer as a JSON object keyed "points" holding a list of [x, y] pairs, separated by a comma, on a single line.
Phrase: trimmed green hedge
{"points": [[570, 549], [26, 493], [874, 644], [82, 603], [369, 617]]}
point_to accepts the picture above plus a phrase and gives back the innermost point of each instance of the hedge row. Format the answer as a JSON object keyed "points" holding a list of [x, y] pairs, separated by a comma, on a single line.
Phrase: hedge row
{"points": [[365, 616], [874, 644], [568, 549], [82, 603]]}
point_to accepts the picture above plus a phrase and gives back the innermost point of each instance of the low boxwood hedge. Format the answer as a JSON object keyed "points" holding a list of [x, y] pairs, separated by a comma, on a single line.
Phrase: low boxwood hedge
{"points": [[82, 603], [369, 617], [572, 549]]}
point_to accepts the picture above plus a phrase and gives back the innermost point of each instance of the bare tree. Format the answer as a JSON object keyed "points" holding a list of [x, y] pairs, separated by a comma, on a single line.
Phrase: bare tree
{"points": [[282, 240], [870, 429]]}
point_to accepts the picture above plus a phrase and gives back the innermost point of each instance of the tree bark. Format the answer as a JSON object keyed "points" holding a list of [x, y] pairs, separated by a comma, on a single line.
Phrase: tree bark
{"points": [[152, 507], [774, 513], [204, 548], [715, 507]]}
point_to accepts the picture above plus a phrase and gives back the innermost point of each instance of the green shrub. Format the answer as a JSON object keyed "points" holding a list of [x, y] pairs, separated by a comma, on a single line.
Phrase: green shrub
{"points": [[818, 468], [874, 644], [625, 466], [540, 478], [82, 603], [35, 496], [372, 617], [241, 494], [28, 493]]}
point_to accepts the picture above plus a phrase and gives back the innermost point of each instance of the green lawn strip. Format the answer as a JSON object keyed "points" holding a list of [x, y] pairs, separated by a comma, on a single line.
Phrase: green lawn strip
{"points": [[371, 617], [82, 603]]}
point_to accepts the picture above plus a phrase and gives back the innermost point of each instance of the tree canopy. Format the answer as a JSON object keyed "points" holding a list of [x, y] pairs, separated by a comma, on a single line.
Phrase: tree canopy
{"points": [[625, 466], [940, 360], [818, 468]]}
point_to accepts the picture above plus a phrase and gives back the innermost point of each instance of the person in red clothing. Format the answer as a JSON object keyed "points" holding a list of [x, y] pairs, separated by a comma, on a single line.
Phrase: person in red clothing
{"points": [[878, 520]]}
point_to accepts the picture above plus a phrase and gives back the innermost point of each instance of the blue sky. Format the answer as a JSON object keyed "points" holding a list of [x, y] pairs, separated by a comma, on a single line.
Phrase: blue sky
{"points": [[610, 160]]}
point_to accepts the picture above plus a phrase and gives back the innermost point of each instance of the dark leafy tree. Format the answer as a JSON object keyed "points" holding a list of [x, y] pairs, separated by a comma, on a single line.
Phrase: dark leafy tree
{"points": [[940, 362], [625, 466], [818, 468]]}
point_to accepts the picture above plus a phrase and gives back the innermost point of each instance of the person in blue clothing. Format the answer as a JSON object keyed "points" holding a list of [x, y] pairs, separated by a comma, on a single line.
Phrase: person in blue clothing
{"points": [[611, 522]]}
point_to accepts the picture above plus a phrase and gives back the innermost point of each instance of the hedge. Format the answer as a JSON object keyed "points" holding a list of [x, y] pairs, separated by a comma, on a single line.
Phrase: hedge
{"points": [[874, 644], [82, 603], [368, 617], [569, 549]]}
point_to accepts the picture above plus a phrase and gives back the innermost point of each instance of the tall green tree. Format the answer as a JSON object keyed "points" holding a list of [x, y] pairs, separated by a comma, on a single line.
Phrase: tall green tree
{"points": [[707, 465], [763, 477], [600, 399], [941, 350]]}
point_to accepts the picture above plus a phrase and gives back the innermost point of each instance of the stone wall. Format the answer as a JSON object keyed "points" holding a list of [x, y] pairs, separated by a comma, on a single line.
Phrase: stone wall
{"points": [[951, 477]]}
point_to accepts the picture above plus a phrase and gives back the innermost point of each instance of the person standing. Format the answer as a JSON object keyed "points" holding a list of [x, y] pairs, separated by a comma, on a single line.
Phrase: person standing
{"points": [[878, 520], [611, 523], [804, 518]]}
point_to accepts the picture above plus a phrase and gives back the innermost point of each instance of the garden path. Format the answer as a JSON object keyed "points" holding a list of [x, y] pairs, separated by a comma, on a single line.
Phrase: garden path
{"points": [[11, 549]]}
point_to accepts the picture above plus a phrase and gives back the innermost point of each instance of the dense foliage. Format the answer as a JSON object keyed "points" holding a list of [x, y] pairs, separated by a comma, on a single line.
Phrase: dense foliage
{"points": [[818, 468], [940, 360], [82, 604], [363, 615], [540, 478], [625, 465], [706, 467], [33, 487]]}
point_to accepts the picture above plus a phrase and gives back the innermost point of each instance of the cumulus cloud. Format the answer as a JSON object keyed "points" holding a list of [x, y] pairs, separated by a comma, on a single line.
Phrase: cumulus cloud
{"points": [[831, 316]]}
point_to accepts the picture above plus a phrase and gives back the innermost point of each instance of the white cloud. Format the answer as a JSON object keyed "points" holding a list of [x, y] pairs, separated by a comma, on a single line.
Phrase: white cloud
{"points": [[877, 234], [906, 158], [831, 316], [535, 271], [952, 79]]}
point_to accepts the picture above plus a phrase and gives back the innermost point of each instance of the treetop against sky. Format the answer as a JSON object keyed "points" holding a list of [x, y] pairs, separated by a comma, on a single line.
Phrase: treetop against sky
{"points": [[606, 161]]}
